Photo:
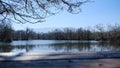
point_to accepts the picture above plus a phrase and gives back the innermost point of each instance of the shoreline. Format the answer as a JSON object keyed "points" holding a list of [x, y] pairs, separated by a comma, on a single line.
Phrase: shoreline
{"points": [[61, 60], [59, 56]]}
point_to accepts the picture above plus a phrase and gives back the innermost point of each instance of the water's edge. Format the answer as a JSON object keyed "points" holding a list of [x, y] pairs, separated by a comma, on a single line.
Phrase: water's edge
{"points": [[58, 56]]}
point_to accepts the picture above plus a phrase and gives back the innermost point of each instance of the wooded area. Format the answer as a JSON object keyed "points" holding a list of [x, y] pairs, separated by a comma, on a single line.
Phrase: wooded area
{"points": [[99, 32]]}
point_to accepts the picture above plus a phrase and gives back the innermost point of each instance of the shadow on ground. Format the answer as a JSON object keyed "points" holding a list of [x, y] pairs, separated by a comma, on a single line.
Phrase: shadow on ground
{"points": [[5, 62]]}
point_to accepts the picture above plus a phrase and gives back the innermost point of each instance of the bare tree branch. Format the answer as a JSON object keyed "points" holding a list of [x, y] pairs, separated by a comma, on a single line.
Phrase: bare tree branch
{"points": [[34, 11]]}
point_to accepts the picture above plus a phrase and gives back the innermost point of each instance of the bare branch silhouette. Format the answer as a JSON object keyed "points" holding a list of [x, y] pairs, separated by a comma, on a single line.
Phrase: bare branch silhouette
{"points": [[34, 11]]}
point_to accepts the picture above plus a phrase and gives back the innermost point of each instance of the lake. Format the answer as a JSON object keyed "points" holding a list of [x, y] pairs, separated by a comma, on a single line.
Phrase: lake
{"points": [[57, 46]]}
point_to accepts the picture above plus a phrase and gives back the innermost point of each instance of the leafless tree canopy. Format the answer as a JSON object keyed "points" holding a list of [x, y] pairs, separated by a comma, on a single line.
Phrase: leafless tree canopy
{"points": [[34, 11]]}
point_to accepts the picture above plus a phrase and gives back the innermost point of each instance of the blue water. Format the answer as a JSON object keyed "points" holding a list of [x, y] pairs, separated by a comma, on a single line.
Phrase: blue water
{"points": [[57, 46]]}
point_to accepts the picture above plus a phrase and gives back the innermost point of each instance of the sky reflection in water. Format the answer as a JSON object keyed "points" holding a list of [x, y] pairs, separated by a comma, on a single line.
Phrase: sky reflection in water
{"points": [[57, 46]]}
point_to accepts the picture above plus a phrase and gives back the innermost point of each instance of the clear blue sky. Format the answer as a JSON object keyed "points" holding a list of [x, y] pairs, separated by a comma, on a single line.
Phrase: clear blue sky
{"points": [[98, 12]]}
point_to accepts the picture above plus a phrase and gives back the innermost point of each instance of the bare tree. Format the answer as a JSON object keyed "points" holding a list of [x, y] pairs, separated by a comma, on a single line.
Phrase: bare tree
{"points": [[114, 32], [34, 11], [6, 31], [100, 33]]}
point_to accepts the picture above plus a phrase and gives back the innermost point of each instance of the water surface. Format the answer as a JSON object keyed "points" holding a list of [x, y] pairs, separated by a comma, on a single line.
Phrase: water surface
{"points": [[57, 46]]}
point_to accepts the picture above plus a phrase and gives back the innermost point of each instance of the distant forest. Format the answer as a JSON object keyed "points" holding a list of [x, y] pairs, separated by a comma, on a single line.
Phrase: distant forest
{"points": [[99, 33]]}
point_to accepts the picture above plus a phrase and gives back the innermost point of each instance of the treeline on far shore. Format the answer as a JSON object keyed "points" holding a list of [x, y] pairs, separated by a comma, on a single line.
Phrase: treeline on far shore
{"points": [[99, 32]]}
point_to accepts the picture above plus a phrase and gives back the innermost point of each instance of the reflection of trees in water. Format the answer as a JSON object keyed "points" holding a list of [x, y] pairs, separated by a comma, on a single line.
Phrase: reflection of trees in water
{"points": [[9, 48], [71, 46], [67, 46], [113, 46], [6, 48], [26, 47], [85, 46]]}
